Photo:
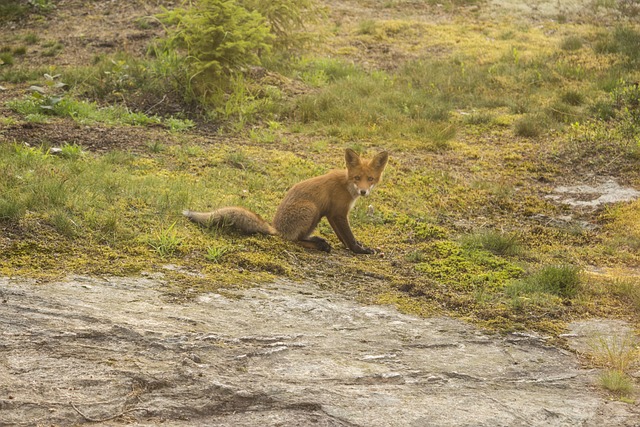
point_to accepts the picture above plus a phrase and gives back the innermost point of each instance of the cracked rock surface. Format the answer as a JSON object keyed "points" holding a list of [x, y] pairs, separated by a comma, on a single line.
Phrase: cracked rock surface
{"points": [[107, 351]]}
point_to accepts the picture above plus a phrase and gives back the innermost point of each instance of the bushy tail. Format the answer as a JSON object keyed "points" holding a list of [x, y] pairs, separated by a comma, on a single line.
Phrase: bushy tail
{"points": [[238, 218]]}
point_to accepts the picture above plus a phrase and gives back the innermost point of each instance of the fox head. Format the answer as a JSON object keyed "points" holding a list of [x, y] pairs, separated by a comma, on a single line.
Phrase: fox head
{"points": [[363, 174]]}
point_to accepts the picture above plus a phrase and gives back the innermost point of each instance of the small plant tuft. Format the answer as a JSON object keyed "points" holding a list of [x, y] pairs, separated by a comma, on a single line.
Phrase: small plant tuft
{"points": [[560, 280], [618, 383], [496, 242], [166, 241], [529, 126], [571, 43], [216, 253], [572, 97], [71, 151], [6, 58]]}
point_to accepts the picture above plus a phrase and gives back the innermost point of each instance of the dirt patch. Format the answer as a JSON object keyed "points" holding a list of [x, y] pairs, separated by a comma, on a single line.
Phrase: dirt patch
{"points": [[98, 350], [87, 29], [97, 138]]}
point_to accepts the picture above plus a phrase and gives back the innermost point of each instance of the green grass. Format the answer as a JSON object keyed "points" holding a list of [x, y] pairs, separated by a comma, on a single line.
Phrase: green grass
{"points": [[499, 243], [481, 121], [11, 10], [6, 58], [166, 241], [560, 280], [90, 112], [529, 126], [618, 383], [217, 253], [571, 43], [51, 48], [618, 355]]}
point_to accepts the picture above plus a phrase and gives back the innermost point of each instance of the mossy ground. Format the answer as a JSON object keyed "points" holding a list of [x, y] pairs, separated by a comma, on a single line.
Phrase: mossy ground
{"points": [[483, 116]]}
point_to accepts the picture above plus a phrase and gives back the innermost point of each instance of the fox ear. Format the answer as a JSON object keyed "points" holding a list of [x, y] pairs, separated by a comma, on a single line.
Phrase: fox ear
{"points": [[380, 160], [352, 158]]}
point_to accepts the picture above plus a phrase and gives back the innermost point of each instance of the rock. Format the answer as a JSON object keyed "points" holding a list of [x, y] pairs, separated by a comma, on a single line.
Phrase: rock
{"points": [[117, 351]]}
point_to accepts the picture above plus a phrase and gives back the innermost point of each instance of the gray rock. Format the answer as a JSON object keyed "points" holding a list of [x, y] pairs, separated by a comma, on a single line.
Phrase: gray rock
{"points": [[111, 350]]}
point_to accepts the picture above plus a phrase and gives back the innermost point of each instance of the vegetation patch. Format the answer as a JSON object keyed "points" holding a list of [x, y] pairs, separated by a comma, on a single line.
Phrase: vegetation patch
{"points": [[100, 154]]}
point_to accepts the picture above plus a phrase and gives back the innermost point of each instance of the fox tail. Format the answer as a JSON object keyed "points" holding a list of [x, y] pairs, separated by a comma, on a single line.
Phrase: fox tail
{"points": [[238, 218]]}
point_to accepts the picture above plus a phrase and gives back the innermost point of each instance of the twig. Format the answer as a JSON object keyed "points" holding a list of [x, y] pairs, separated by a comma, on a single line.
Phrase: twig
{"points": [[101, 420], [156, 104]]}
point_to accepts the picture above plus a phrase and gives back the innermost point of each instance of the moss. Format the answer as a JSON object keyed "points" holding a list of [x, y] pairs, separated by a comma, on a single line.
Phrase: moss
{"points": [[262, 262], [460, 268]]}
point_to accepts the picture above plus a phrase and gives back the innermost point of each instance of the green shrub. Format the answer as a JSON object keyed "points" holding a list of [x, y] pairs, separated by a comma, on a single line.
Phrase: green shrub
{"points": [[286, 18], [217, 36]]}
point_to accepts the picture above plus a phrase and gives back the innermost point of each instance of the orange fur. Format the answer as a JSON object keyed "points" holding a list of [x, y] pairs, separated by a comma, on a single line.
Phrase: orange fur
{"points": [[331, 195]]}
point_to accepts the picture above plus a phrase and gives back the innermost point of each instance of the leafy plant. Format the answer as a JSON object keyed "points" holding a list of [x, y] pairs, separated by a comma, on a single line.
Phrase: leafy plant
{"points": [[48, 95]]}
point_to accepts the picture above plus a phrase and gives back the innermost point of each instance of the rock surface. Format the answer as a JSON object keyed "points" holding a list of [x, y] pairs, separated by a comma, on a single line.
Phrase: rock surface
{"points": [[107, 351]]}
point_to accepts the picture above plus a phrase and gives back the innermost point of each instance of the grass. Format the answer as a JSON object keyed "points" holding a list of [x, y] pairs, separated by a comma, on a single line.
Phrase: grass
{"points": [[481, 121], [216, 253], [618, 383], [498, 243], [6, 58], [166, 241], [90, 112], [529, 126], [618, 355], [11, 10], [561, 280], [571, 43]]}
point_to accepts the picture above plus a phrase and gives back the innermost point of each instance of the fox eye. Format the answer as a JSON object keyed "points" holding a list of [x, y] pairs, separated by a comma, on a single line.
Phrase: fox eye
{"points": [[357, 177], [370, 179]]}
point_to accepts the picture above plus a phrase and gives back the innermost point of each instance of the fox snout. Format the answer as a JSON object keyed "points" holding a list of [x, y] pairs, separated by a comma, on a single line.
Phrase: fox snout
{"points": [[365, 192]]}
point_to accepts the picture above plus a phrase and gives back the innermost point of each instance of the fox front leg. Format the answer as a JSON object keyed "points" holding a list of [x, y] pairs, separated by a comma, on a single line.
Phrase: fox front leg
{"points": [[342, 229]]}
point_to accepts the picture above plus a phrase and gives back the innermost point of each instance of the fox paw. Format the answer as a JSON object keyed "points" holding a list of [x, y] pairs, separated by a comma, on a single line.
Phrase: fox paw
{"points": [[321, 244], [359, 249]]}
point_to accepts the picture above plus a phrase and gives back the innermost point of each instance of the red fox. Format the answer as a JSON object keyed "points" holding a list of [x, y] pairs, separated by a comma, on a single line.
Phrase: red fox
{"points": [[331, 195]]}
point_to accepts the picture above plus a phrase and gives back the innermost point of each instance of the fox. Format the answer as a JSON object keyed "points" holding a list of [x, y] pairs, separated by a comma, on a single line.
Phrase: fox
{"points": [[330, 196]]}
